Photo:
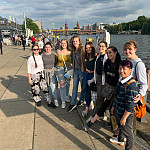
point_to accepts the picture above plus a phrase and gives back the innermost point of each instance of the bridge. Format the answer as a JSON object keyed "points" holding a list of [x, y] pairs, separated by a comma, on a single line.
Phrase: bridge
{"points": [[73, 31]]}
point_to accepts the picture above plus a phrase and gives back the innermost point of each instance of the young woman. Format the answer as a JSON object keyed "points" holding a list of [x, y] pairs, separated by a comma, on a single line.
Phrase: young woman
{"points": [[48, 61], [36, 76], [138, 72], [111, 68], [64, 56], [88, 74], [78, 67], [99, 76]]}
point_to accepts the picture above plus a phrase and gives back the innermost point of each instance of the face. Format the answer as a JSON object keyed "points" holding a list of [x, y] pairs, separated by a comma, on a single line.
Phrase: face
{"points": [[124, 72], [64, 44], [76, 42], [88, 49], [48, 48], [35, 50], [102, 48], [111, 54], [129, 51]]}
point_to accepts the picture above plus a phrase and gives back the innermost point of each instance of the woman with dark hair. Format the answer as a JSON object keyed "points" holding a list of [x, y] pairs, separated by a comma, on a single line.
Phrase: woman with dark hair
{"points": [[111, 68], [99, 76], [88, 74], [78, 67], [49, 61], [36, 76], [64, 57]]}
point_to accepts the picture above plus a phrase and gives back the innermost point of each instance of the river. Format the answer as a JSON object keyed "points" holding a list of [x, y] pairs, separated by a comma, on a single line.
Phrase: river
{"points": [[143, 50]]}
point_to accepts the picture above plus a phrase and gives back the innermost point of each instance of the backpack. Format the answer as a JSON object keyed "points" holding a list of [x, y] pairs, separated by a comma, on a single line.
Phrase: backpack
{"points": [[140, 109]]}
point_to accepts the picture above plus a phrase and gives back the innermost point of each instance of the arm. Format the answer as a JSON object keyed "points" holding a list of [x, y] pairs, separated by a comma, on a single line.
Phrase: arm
{"points": [[29, 77], [124, 117], [142, 81]]}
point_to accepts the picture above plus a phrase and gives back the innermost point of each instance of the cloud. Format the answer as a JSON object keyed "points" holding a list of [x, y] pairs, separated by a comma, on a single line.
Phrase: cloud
{"points": [[86, 11]]}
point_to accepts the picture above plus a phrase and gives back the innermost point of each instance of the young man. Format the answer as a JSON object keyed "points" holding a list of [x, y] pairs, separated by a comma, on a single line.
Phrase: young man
{"points": [[123, 106]]}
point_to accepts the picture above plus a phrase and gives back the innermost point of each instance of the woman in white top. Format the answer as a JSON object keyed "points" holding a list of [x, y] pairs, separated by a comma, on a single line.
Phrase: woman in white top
{"points": [[36, 76]]}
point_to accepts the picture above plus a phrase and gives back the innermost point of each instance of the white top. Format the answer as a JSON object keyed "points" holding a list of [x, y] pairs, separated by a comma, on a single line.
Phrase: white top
{"points": [[103, 74], [40, 44], [140, 75], [31, 64]]}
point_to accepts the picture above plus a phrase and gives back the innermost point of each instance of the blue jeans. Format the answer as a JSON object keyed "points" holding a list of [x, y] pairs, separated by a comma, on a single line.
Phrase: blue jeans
{"points": [[77, 76], [63, 82], [53, 87]]}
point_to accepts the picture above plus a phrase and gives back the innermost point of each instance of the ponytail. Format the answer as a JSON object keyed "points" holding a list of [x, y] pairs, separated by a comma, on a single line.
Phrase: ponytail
{"points": [[34, 60]]}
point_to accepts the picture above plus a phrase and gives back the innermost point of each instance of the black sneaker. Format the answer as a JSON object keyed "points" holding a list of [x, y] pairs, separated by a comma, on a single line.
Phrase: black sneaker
{"points": [[80, 103], [71, 108], [51, 105], [38, 104], [87, 126]]}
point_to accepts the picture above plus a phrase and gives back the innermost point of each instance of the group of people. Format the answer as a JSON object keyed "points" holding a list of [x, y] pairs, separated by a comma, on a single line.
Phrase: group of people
{"points": [[105, 69]]}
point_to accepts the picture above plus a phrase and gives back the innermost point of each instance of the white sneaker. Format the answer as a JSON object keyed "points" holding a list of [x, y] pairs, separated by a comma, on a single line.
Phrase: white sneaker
{"points": [[89, 119], [84, 113], [56, 103], [67, 99], [63, 105], [115, 141]]}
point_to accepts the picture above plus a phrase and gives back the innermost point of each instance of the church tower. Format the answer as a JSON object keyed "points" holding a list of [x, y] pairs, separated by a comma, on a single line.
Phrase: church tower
{"points": [[78, 27], [66, 25]]}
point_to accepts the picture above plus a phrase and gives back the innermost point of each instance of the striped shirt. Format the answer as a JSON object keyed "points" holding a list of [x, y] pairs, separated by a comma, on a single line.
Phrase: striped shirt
{"points": [[124, 100]]}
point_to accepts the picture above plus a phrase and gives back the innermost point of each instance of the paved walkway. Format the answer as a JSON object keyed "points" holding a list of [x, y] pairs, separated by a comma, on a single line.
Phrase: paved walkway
{"points": [[24, 126]]}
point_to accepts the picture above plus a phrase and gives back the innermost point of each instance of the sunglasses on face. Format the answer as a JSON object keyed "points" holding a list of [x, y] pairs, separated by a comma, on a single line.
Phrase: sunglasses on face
{"points": [[35, 49]]}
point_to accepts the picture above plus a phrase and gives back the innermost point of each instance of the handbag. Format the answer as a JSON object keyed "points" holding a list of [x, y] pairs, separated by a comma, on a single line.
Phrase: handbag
{"points": [[68, 73], [107, 91]]}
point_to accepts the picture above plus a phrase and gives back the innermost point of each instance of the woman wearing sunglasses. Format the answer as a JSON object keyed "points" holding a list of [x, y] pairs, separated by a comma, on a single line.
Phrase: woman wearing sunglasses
{"points": [[36, 76]]}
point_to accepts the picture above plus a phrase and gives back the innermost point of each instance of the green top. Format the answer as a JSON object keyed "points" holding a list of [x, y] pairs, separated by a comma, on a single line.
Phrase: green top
{"points": [[67, 59]]}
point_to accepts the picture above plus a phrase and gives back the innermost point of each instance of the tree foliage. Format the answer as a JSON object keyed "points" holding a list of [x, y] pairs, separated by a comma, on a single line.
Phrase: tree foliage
{"points": [[142, 23], [30, 25]]}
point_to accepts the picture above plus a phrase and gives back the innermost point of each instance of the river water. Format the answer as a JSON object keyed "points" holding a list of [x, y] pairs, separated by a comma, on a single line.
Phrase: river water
{"points": [[118, 41]]}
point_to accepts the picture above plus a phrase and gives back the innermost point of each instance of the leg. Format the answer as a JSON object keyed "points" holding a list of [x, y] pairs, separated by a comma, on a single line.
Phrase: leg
{"points": [[100, 99], [35, 87], [62, 84], [53, 88], [75, 87], [1, 50], [127, 131]]}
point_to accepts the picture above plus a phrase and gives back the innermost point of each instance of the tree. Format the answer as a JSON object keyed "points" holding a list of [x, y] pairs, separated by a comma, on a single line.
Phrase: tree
{"points": [[31, 26], [145, 28]]}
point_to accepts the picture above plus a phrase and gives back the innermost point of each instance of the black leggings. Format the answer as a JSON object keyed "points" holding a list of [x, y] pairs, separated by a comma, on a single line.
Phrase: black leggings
{"points": [[103, 108]]}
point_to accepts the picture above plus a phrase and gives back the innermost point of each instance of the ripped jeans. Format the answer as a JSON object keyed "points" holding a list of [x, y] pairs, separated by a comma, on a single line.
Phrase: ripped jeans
{"points": [[63, 82]]}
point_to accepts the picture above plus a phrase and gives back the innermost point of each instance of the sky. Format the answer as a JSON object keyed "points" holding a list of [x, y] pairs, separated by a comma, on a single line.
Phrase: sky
{"points": [[56, 12]]}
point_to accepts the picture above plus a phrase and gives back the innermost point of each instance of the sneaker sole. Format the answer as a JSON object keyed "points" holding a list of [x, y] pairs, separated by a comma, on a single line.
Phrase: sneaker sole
{"points": [[116, 143], [72, 108]]}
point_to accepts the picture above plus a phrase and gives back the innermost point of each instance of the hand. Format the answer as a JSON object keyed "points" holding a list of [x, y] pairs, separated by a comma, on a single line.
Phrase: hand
{"points": [[137, 98], [123, 121], [112, 110], [30, 81], [88, 70]]}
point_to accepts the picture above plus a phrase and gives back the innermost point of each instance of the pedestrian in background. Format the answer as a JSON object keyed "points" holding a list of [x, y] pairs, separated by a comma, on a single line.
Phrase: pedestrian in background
{"points": [[23, 41], [41, 45], [1, 44]]}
